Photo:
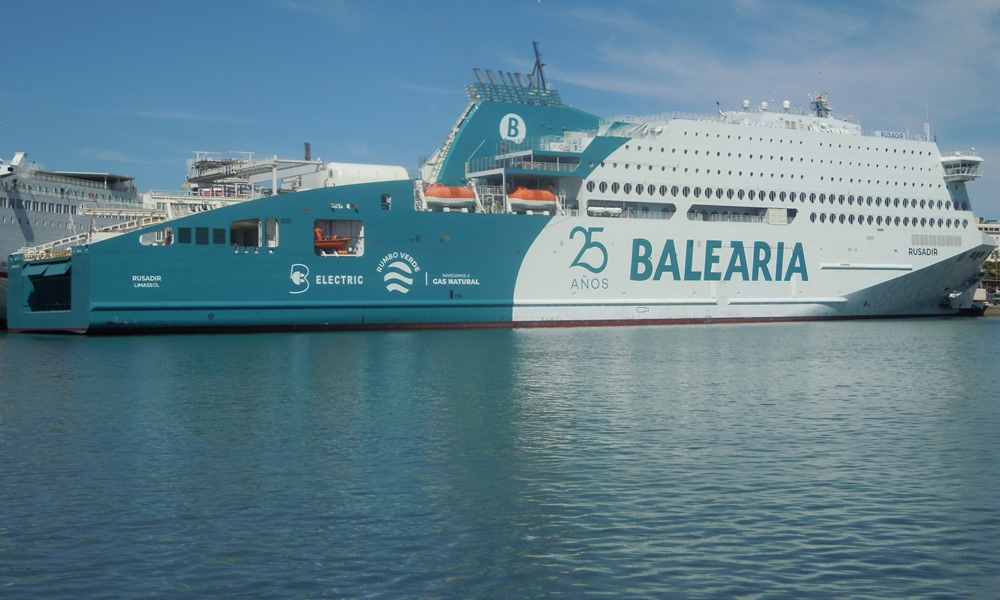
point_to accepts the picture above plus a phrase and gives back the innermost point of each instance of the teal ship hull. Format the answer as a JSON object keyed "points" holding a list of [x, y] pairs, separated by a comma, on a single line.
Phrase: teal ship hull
{"points": [[449, 270]]}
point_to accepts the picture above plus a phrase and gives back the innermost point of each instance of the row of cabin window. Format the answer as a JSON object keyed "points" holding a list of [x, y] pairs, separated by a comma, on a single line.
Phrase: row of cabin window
{"points": [[780, 141], [51, 207], [43, 222], [880, 220], [686, 191], [63, 192]]}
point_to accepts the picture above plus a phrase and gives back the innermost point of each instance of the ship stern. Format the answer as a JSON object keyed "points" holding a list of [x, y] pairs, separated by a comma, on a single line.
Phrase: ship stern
{"points": [[49, 294]]}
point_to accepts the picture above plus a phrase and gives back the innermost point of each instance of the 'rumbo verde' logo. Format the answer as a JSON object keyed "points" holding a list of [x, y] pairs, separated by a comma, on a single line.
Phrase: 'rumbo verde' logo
{"points": [[398, 269]]}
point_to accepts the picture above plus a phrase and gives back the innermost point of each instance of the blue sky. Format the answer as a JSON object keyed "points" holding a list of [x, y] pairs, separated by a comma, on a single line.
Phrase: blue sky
{"points": [[136, 87]]}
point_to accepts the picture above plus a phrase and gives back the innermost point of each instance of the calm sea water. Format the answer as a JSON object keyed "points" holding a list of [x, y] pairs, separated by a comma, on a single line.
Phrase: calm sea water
{"points": [[855, 459]]}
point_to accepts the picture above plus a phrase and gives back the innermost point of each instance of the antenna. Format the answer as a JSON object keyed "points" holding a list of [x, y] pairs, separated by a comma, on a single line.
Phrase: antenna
{"points": [[539, 65]]}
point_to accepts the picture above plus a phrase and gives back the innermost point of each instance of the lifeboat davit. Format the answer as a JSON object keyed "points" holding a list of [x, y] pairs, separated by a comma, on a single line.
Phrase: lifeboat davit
{"points": [[523, 199], [440, 196]]}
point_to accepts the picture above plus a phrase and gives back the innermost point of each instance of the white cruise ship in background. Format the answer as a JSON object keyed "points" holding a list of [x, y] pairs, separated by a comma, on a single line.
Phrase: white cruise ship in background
{"points": [[39, 206]]}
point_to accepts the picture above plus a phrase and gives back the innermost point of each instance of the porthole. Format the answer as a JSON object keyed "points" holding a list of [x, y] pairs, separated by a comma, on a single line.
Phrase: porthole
{"points": [[822, 198], [781, 196], [850, 200], [627, 188], [590, 186], [841, 218], [697, 192], [685, 191], [603, 187], [674, 190], [812, 217], [812, 198], [841, 199], [791, 196], [822, 217], [751, 195], [708, 192], [923, 204], [615, 187], [740, 194], [718, 193], [906, 221], [663, 190], [940, 222], [850, 219], [729, 193], [923, 222], [878, 220]]}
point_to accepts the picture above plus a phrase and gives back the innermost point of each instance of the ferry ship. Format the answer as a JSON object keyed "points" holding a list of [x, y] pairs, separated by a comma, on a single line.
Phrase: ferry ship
{"points": [[534, 213], [39, 206]]}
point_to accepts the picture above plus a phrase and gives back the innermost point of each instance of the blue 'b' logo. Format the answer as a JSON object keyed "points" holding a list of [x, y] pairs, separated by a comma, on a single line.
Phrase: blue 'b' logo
{"points": [[512, 128]]}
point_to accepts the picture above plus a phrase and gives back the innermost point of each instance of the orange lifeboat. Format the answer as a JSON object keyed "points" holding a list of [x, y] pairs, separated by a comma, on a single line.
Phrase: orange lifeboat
{"points": [[524, 199], [439, 190], [333, 243], [523, 193], [439, 196]]}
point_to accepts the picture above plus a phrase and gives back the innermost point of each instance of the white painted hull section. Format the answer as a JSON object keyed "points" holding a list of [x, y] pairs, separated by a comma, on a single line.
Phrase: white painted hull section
{"points": [[850, 273]]}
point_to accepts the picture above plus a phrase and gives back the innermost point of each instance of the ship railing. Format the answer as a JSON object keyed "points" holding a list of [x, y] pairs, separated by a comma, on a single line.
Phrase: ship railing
{"points": [[525, 163], [618, 213], [27, 171], [73, 181], [61, 246], [195, 196], [727, 218], [544, 143], [658, 118]]}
